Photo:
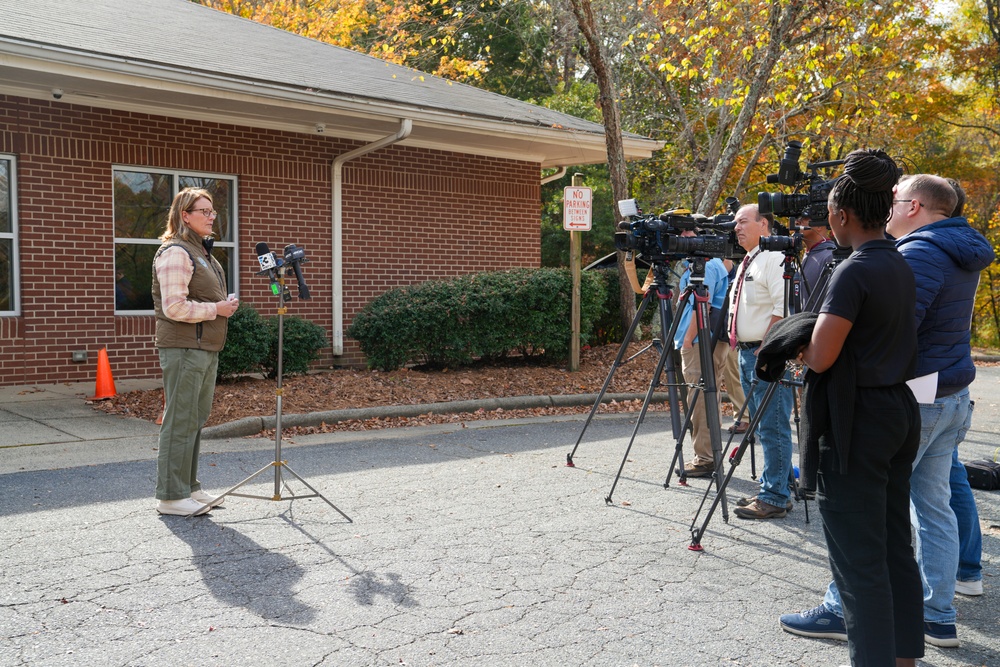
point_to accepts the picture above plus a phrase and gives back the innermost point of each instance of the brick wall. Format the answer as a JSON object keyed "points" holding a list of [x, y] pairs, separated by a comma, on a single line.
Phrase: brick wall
{"points": [[409, 215]]}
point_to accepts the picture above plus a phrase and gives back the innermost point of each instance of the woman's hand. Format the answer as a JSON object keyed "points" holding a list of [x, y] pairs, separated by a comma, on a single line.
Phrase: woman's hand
{"points": [[226, 308]]}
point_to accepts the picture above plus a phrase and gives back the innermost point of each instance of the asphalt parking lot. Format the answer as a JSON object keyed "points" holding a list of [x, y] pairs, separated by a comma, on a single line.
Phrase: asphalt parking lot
{"points": [[469, 545]]}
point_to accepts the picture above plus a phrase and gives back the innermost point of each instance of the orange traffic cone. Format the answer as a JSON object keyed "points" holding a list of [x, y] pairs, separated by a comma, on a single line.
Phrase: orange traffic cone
{"points": [[105, 387]]}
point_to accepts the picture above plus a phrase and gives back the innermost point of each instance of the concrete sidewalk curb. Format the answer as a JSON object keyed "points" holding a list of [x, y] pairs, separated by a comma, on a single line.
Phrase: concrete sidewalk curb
{"points": [[253, 425]]}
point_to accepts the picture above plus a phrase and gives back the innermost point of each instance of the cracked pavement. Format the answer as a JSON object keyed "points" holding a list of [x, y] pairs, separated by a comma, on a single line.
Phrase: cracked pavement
{"points": [[469, 546]]}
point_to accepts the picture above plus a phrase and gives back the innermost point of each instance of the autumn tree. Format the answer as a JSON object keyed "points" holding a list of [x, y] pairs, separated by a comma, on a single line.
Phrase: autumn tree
{"points": [[726, 84]]}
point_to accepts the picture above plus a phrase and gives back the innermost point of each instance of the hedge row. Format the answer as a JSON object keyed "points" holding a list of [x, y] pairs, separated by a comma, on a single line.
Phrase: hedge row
{"points": [[252, 345], [477, 316]]}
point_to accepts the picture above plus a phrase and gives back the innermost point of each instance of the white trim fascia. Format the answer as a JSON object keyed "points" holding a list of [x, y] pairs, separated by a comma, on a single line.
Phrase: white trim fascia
{"points": [[130, 74]]}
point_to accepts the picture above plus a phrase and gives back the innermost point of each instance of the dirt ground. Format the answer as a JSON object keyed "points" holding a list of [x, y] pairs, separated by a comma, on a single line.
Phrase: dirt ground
{"points": [[342, 389]]}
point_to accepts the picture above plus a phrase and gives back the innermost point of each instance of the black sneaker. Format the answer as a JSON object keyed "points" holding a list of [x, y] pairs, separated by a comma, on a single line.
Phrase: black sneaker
{"points": [[941, 634], [817, 622]]}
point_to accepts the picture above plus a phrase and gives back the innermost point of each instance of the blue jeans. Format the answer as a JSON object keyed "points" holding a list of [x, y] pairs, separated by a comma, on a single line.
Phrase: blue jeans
{"points": [[774, 432], [944, 424], [970, 538]]}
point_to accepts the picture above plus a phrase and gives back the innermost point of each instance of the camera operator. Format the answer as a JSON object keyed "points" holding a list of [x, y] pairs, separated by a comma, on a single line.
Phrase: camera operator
{"points": [[819, 250], [686, 340], [757, 301], [946, 256]]}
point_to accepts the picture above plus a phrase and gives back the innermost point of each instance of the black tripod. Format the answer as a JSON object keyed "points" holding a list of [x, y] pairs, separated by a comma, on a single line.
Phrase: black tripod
{"points": [[278, 463], [659, 290], [706, 390], [748, 438]]}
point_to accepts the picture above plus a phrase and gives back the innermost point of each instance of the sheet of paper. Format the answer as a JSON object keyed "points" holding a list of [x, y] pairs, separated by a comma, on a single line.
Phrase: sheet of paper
{"points": [[924, 388]]}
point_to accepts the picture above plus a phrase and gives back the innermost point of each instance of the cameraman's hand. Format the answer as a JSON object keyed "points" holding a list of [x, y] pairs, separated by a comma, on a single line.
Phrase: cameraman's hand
{"points": [[226, 308]]}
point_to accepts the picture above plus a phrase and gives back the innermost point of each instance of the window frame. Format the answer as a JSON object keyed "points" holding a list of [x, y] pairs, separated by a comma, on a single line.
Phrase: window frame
{"points": [[232, 272], [14, 236]]}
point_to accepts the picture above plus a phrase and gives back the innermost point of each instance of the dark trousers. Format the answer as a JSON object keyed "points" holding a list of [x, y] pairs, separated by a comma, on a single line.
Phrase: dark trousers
{"points": [[866, 518]]}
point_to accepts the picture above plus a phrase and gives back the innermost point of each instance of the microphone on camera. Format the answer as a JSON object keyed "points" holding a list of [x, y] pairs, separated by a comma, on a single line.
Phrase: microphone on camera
{"points": [[268, 265]]}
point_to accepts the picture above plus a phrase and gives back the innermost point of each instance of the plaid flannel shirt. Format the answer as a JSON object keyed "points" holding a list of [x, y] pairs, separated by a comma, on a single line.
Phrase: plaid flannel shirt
{"points": [[174, 271]]}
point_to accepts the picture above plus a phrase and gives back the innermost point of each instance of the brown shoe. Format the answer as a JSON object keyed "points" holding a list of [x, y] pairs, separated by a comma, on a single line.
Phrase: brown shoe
{"points": [[739, 427], [698, 469], [745, 502], [758, 509]]}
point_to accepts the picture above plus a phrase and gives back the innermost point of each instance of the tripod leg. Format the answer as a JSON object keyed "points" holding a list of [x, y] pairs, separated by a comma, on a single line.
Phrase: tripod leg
{"points": [[638, 422], [697, 533], [677, 463], [317, 494], [614, 366]]}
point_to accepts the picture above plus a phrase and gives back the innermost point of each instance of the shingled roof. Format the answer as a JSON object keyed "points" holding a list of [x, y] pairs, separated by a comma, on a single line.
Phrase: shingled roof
{"points": [[175, 57]]}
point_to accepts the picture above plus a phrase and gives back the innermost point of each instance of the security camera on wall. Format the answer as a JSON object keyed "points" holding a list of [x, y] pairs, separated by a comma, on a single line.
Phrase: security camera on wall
{"points": [[57, 93]]}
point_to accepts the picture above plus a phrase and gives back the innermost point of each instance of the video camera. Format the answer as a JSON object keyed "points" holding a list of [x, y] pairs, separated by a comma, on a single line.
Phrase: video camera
{"points": [[813, 203], [658, 238]]}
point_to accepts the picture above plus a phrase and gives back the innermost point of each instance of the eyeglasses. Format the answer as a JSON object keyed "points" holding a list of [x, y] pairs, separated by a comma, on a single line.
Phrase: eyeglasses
{"points": [[207, 212], [905, 201]]}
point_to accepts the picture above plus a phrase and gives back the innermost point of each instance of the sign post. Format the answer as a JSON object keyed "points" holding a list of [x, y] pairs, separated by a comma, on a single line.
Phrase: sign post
{"points": [[577, 215]]}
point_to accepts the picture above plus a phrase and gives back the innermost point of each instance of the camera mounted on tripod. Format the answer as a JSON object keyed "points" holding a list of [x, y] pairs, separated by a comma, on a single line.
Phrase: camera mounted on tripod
{"points": [[811, 203], [657, 238]]}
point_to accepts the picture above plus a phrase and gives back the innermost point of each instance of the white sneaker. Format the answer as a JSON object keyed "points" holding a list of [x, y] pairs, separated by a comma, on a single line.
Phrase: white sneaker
{"points": [[970, 588], [207, 498], [182, 507]]}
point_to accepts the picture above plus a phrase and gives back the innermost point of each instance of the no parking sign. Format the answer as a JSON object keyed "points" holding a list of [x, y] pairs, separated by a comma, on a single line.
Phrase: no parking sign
{"points": [[577, 209]]}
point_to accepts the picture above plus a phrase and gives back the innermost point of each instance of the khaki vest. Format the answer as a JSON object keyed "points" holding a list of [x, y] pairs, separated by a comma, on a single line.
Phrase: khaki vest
{"points": [[208, 285]]}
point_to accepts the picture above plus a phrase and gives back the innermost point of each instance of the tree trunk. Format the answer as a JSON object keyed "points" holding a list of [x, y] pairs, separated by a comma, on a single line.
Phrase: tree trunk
{"points": [[781, 21], [611, 113]]}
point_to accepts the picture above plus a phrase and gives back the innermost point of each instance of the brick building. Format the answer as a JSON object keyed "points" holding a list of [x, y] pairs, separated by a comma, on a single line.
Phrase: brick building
{"points": [[384, 175]]}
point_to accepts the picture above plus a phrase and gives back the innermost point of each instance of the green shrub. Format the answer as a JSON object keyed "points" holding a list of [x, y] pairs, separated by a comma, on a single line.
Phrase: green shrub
{"points": [[478, 316], [248, 343], [302, 342]]}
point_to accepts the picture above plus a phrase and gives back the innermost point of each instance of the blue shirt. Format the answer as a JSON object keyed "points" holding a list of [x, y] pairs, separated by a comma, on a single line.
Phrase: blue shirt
{"points": [[717, 282]]}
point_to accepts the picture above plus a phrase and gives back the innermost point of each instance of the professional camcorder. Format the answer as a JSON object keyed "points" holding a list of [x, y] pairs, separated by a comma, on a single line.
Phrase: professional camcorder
{"points": [[811, 203], [657, 238]]}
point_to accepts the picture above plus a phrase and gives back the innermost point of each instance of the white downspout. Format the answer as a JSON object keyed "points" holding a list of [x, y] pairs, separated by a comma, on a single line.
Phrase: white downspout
{"points": [[405, 127], [556, 176]]}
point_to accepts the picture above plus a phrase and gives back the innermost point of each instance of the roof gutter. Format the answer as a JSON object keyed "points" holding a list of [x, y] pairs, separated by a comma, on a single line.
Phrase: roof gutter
{"points": [[556, 176], [405, 127]]}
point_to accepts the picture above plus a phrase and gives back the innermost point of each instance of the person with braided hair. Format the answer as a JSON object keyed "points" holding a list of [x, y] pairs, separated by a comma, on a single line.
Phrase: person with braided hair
{"points": [[862, 352], [946, 256]]}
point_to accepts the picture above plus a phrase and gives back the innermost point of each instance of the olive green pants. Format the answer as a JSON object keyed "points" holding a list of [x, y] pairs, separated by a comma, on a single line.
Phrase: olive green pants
{"points": [[189, 386]]}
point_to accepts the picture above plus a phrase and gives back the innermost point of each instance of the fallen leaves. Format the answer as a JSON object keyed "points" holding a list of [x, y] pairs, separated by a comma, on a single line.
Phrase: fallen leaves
{"points": [[353, 388]]}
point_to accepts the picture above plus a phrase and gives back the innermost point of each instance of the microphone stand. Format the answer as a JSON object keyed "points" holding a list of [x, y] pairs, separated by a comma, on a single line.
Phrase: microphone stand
{"points": [[278, 463]]}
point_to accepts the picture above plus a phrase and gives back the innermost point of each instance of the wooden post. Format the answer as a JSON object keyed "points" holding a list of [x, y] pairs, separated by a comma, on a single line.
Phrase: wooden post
{"points": [[575, 252]]}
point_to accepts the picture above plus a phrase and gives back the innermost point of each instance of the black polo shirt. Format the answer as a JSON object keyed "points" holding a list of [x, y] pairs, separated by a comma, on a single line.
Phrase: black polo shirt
{"points": [[874, 288]]}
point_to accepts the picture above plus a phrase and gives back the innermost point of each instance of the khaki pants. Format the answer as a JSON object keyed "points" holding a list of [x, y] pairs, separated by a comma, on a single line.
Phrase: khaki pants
{"points": [[734, 387], [189, 386], [691, 368]]}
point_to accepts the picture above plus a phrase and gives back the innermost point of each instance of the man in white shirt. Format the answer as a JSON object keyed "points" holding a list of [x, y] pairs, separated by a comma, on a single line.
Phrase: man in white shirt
{"points": [[757, 301]]}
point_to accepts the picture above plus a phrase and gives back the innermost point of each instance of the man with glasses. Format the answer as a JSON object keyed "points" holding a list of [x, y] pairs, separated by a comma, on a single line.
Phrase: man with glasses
{"points": [[946, 256], [756, 302]]}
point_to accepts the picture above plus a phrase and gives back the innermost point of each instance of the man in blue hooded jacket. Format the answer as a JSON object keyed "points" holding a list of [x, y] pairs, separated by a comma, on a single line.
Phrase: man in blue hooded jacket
{"points": [[946, 256]]}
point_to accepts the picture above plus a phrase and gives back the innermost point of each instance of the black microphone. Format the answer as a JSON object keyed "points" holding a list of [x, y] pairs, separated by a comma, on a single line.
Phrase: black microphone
{"points": [[295, 255], [268, 265]]}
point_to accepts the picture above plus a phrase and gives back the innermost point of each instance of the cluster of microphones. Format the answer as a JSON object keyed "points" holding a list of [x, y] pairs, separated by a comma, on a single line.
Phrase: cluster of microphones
{"points": [[275, 267]]}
